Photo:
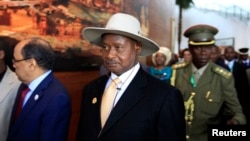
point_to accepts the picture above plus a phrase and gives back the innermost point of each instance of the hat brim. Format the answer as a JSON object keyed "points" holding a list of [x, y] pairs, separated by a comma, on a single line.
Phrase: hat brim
{"points": [[212, 42], [243, 51], [168, 56], [94, 36]]}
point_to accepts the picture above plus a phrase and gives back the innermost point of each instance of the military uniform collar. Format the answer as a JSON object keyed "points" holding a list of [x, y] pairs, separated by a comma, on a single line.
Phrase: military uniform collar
{"points": [[200, 71]]}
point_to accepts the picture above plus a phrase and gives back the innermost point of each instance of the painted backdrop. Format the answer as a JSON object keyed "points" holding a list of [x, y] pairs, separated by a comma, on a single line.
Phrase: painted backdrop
{"points": [[60, 22]]}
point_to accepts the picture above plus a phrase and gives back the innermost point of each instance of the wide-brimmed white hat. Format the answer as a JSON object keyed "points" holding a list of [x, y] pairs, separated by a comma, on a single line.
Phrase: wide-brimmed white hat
{"points": [[166, 51], [121, 24]]}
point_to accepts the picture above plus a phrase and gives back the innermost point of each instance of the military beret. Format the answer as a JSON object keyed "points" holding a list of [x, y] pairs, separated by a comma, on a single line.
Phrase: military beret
{"points": [[243, 51], [201, 34]]}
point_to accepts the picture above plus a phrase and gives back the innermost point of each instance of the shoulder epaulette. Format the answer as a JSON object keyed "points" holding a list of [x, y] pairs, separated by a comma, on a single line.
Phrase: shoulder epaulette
{"points": [[179, 65], [223, 72]]}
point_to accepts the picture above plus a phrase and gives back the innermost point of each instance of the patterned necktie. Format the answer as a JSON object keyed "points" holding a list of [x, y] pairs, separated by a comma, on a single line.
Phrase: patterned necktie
{"points": [[21, 99], [108, 100]]}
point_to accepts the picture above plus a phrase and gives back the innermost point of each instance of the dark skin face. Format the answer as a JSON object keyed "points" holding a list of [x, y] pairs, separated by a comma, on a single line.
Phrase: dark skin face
{"points": [[120, 53], [160, 60], [229, 53], [215, 54], [2, 64], [244, 57], [187, 56], [200, 54]]}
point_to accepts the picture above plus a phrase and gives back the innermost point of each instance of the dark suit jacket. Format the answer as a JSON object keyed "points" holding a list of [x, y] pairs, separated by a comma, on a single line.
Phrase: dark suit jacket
{"points": [[149, 110], [222, 64], [241, 83], [45, 118]]}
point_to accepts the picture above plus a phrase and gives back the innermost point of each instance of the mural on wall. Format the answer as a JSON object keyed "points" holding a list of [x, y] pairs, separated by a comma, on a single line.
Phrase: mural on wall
{"points": [[60, 22]]}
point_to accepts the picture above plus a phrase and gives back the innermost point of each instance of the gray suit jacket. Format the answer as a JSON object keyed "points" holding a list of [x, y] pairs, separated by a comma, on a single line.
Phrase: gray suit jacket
{"points": [[8, 88]]}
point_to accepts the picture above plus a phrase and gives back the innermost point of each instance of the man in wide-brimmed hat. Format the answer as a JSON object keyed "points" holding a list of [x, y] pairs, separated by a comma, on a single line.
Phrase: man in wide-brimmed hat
{"points": [[140, 107]]}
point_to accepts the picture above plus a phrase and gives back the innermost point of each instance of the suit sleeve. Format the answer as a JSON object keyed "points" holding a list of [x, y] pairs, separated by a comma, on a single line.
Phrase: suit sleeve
{"points": [[171, 123], [56, 119], [232, 104]]}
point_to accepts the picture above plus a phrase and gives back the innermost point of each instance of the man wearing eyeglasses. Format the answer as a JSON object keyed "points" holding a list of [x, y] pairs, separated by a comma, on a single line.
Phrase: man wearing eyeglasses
{"points": [[42, 108]]}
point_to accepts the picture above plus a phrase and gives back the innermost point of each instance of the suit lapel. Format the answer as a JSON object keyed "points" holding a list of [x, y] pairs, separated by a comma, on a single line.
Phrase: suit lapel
{"points": [[133, 94], [21, 87], [34, 98], [4, 87], [96, 98], [14, 122], [187, 72]]}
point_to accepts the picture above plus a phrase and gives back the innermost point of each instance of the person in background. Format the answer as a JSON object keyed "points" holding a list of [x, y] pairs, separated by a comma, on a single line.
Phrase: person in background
{"points": [[216, 57], [44, 114], [244, 59], [140, 107], [244, 56], [186, 55], [174, 59], [161, 59], [8, 85], [208, 90], [240, 79]]}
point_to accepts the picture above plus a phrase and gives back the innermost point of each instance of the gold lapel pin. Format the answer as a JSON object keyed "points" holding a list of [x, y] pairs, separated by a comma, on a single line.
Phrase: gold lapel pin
{"points": [[94, 100]]}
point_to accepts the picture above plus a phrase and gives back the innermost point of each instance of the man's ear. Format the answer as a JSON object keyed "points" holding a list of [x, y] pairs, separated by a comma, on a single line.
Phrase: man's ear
{"points": [[2, 54], [138, 46], [33, 64]]}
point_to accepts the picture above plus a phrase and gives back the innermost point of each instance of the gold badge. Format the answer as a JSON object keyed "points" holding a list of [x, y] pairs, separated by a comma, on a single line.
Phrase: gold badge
{"points": [[94, 100], [210, 100]]}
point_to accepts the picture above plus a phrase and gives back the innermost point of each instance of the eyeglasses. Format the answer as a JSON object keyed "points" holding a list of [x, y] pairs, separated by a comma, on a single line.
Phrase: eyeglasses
{"points": [[16, 61]]}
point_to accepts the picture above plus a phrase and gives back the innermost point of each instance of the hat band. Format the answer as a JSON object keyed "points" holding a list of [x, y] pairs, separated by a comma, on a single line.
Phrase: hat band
{"points": [[201, 43]]}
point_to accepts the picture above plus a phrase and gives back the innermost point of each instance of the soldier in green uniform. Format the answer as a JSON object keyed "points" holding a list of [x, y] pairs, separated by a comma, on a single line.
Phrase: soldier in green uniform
{"points": [[208, 89]]}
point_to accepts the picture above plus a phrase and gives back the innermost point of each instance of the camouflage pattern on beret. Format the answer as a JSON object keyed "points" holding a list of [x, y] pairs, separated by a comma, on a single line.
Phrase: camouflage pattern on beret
{"points": [[201, 34], [243, 51]]}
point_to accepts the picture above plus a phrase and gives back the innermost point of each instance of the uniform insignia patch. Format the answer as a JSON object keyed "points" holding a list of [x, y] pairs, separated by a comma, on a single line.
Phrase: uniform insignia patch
{"points": [[179, 65], [223, 72]]}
